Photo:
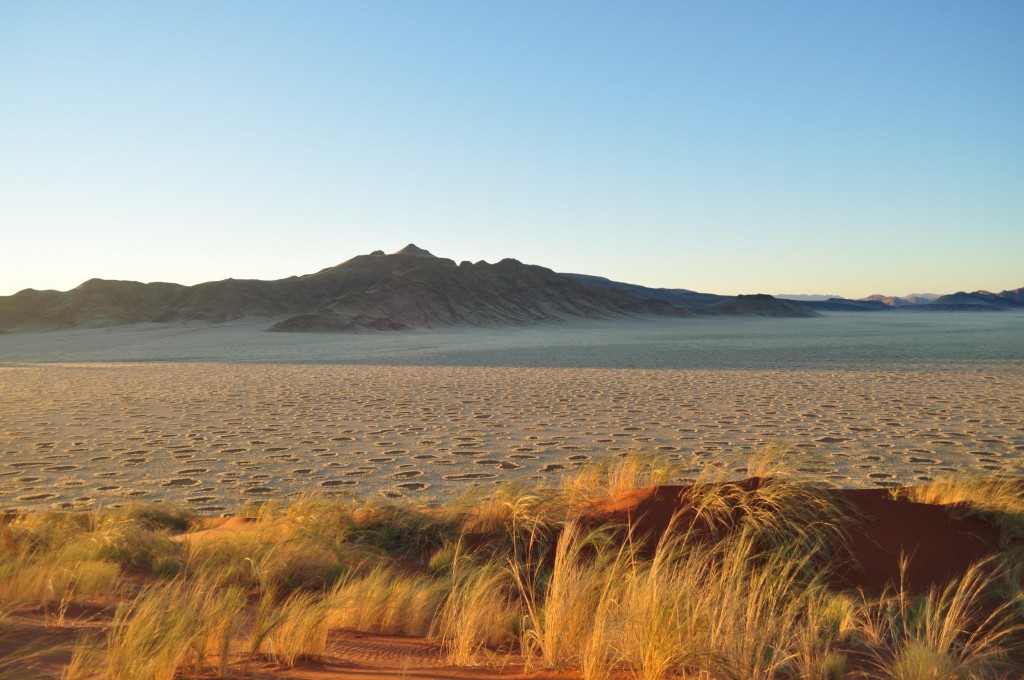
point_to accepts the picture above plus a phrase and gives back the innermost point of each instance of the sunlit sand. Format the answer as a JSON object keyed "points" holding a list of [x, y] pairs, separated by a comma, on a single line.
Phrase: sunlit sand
{"points": [[212, 435]]}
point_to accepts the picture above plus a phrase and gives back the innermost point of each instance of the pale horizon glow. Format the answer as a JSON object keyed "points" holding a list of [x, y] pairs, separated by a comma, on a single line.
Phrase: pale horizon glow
{"points": [[786, 148]]}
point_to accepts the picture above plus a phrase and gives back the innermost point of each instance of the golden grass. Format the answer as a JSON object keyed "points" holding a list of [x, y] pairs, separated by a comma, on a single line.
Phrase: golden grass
{"points": [[88, 661], [1000, 498], [634, 470], [151, 636], [1004, 494], [54, 585], [728, 610], [508, 507], [521, 571]]}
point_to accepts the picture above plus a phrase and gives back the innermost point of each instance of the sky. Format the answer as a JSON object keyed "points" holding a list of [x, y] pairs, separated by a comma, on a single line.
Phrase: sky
{"points": [[733, 147]]}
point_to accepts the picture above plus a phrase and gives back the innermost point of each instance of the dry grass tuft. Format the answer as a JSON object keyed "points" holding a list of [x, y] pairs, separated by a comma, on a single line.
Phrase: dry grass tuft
{"points": [[479, 612], [635, 470], [385, 601], [301, 633], [950, 632]]}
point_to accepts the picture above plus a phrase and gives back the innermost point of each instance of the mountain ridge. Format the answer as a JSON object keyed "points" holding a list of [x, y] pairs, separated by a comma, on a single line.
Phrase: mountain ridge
{"points": [[413, 288], [408, 289]]}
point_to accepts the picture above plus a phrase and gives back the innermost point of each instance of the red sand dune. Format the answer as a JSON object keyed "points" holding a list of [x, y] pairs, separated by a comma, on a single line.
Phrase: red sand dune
{"points": [[939, 542]]}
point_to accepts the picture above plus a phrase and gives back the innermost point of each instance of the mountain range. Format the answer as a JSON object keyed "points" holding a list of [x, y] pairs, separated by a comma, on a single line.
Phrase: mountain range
{"points": [[408, 289], [977, 301], [413, 289]]}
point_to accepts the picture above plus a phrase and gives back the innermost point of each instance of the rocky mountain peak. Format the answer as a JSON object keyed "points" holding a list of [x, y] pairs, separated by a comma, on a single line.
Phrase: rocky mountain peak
{"points": [[413, 250]]}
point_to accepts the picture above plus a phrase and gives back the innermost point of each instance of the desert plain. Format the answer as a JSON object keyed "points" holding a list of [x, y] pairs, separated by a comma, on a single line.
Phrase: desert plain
{"points": [[212, 416]]}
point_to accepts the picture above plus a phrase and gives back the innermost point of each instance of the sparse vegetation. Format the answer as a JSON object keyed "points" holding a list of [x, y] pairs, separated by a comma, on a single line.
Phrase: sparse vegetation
{"points": [[738, 588]]}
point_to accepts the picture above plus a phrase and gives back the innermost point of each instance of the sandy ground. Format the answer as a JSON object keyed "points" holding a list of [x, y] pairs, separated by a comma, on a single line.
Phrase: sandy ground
{"points": [[212, 435]]}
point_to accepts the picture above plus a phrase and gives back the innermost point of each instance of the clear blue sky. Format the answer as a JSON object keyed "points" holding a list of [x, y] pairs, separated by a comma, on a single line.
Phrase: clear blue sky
{"points": [[782, 147]]}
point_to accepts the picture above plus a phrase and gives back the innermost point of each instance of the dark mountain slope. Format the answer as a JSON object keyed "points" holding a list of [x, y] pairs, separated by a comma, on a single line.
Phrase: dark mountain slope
{"points": [[680, 297], [436, 292], [24, 305], [707, 303]]}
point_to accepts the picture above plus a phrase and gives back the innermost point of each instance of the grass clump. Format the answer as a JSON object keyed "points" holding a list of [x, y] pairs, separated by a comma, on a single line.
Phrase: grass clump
{"points": [[385, 600], [955, 631], [559, 601], [479, 612], [301, 630], [151, 636]]}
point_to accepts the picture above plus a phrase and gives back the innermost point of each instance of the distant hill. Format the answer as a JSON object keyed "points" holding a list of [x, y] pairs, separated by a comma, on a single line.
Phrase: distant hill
{"points": [[845, 305], [905, 301], [758, 305], [804, 298], [1015, 296]]}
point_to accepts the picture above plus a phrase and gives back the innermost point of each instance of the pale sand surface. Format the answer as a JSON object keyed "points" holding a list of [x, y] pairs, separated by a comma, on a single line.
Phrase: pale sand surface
{"points": [[210, 435], [210, 416]]}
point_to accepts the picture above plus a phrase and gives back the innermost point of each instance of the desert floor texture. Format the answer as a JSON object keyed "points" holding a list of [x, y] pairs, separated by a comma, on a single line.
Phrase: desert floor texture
{"points": [[211, 435]]}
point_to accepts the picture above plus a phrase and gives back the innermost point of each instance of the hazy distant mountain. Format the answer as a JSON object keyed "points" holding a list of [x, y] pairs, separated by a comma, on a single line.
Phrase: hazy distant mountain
{"points": [[904, 301], [1015, 296], [980, 300], [98, 303], [758, 305], [408, 289], [920, 298], [805, 298], [887, 300]]}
